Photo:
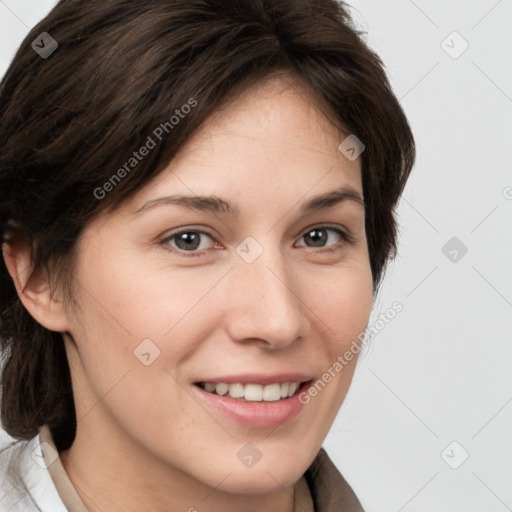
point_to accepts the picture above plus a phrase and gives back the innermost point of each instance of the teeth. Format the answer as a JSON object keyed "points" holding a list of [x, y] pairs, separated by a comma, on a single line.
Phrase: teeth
{"points": [[236, 390], [221, 388], [293, 387], [272, 392], [253, 392]]}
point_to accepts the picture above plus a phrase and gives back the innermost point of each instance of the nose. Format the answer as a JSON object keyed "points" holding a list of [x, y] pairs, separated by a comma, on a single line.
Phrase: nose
{"points": [[265, 301]]}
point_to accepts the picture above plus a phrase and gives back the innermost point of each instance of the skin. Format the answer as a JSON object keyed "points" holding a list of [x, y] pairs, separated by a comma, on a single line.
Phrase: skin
{"points": [[297, 307]]}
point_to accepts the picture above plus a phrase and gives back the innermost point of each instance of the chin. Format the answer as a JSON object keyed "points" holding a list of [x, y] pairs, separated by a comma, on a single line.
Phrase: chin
{"points": [[269, 474], [256, 482]]}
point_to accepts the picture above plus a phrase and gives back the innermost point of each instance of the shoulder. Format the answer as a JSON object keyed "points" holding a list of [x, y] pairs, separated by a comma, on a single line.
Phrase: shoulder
{"points": [[329, 490], [25, 483]]}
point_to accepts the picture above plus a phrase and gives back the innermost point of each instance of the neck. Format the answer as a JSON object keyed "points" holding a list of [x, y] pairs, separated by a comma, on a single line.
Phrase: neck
{"points": [[114, 473]]}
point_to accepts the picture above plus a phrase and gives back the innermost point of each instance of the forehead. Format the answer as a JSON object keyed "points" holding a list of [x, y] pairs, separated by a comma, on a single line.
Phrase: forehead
{"points": [[279, 114], [271, 141]]}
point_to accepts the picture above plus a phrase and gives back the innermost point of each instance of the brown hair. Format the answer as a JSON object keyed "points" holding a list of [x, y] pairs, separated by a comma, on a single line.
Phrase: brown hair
{"points": [[121, 69]]}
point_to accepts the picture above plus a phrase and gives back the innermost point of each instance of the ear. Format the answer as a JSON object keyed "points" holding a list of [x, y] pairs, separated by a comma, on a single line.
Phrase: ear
{"points": [[33, 291]]}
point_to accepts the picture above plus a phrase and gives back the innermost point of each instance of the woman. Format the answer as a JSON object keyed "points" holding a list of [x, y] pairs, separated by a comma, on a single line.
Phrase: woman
{"points": [[197, 207]]}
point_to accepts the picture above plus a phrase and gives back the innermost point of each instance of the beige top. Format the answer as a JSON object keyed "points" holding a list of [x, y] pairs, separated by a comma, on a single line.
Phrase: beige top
{"points": [[67, 492], [73, 502]]}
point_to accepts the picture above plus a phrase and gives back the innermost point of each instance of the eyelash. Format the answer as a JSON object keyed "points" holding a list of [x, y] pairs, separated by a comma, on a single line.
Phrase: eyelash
{"points": [[347, 238]]}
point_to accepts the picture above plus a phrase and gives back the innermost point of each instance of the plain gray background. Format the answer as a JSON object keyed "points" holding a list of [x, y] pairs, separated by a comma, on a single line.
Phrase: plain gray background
{"points": [[435, 385]]}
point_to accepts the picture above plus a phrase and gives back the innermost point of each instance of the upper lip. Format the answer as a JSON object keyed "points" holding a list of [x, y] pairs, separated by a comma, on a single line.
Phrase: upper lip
{"points": [[258, 378]]}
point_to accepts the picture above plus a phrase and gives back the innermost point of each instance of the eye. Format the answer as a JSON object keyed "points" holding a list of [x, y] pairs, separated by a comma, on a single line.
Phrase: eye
{"points": [[318, 237], [186, 241]]}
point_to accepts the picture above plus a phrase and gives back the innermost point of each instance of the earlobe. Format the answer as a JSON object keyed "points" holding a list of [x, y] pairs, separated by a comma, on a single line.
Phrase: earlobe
{"points": [[33, 290]]}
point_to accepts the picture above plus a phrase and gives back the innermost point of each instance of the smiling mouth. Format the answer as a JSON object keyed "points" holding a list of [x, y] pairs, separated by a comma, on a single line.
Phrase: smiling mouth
{"points": [[254, 392]]}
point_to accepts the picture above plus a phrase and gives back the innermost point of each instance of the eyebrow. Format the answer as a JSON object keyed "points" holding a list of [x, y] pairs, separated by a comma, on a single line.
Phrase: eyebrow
{"points": [[214, 204]]}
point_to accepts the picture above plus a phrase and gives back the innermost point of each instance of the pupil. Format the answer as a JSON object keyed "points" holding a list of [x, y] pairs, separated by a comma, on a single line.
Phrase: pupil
{"points": [[317, 240], [187, 237]]}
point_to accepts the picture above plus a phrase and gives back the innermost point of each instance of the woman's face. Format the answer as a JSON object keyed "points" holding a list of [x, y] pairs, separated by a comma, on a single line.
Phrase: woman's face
{"points": [[243, 296]]}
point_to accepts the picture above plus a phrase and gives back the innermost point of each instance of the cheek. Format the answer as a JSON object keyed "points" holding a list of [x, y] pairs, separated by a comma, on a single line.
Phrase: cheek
{"points": [[344, 303], [123, 305], [343, 306], [143, 300]]}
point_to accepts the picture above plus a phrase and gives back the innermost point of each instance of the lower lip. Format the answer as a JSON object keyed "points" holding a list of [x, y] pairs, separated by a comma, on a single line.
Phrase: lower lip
{"points": [[256, 414]]}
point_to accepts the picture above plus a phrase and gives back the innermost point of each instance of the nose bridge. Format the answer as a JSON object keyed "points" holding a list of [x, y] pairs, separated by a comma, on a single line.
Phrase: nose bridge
{"points": [[266, 301]]}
